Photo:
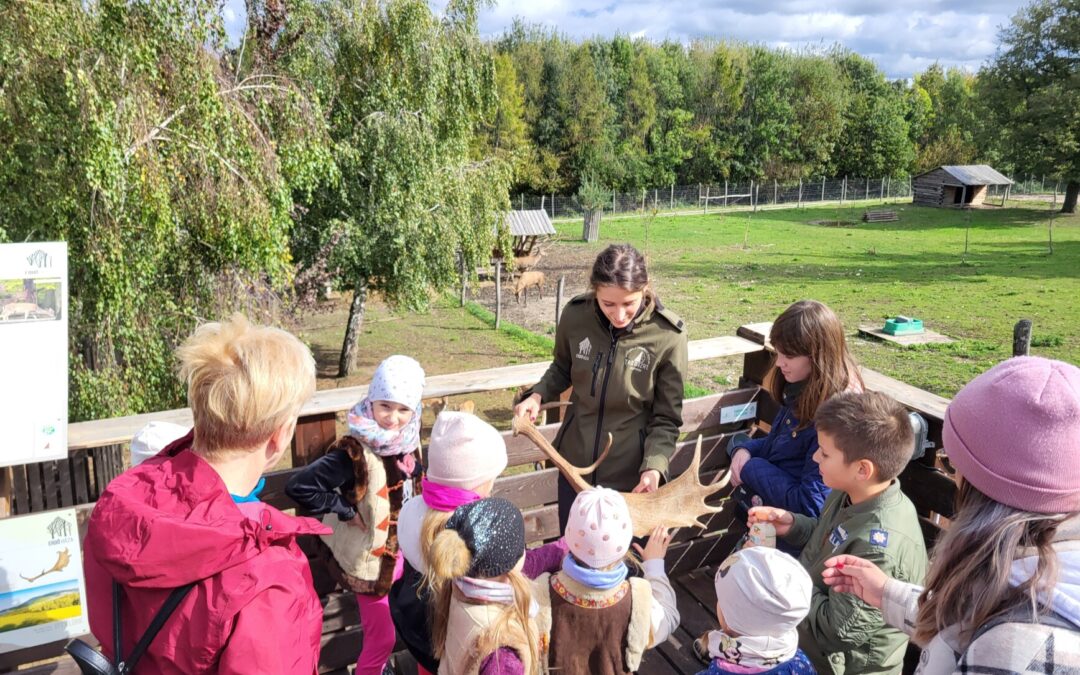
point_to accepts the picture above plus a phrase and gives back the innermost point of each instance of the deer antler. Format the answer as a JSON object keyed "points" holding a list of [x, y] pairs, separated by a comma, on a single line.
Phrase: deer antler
{"points": [[680, 503]]}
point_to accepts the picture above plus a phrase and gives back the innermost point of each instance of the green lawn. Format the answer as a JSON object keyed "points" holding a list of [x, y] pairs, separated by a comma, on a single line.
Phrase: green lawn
{"points": [[867, 272]]}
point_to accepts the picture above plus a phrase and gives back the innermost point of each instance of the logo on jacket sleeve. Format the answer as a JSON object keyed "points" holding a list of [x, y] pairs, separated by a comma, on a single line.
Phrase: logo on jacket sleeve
{"points": [[584, 348], [879, 538], [838, 536]]}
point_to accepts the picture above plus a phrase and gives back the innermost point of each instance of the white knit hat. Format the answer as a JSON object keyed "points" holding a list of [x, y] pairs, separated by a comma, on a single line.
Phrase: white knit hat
{"points": [[599, 529], [763, 592], [464, 451], [152, 439], [399, 379]]}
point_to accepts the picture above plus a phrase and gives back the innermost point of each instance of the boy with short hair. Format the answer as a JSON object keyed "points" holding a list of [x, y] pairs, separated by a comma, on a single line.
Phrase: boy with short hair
{"points": [[865, 440]]}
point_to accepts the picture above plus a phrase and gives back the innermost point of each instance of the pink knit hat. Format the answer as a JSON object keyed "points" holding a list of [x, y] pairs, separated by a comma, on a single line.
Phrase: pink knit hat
{"points": [[1014, 433], [464, 451], [599, 529]]}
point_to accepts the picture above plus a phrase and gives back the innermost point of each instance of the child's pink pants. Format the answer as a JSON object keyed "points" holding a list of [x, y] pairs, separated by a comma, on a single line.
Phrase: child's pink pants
{"points": [[379, 635]]}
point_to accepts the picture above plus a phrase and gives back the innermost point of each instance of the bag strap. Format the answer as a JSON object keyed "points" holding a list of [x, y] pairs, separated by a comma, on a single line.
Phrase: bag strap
{"points": [[167, 608]]}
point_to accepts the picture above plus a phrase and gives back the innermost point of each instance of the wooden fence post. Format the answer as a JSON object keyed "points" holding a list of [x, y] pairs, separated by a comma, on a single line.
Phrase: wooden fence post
{"points": [[672, 197], [775, 192], [613, 202], [866, 193], [498, 294], [881, 194], [823, 189], [800, 192], [553, 205], [1022, 337], [725, 193], [558, 299], [706, 198], [756, 196]]}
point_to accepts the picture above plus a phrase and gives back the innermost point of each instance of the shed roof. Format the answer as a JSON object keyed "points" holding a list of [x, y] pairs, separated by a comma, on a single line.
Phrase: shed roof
{"points": [[529, 223], [973, 174]]}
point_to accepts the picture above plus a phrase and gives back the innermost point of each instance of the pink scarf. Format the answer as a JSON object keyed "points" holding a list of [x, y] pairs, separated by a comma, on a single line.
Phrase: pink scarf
{"points": [[445, 498]]}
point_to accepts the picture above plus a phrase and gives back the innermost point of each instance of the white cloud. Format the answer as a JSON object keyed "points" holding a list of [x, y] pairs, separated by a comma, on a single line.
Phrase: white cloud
{"points": [[902, 40]]}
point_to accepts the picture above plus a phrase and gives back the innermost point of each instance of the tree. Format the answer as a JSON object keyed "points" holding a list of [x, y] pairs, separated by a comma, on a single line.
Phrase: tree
{"points": [[407, 92], [170, 177], [1033, 89]]}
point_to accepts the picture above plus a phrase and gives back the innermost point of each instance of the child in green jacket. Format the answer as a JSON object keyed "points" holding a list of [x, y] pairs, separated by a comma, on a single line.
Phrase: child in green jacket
{"points": [[864, 441]]}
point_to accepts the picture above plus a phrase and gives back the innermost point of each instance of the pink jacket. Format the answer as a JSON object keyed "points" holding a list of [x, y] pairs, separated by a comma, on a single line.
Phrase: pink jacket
{"points": [[171, 521]]}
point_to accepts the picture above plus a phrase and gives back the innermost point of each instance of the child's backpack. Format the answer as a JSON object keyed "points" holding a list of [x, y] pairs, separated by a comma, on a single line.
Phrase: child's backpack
{"points": [[93, 662]]}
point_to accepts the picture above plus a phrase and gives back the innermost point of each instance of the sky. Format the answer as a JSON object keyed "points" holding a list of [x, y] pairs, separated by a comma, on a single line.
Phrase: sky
{"points": [[903, 38]]}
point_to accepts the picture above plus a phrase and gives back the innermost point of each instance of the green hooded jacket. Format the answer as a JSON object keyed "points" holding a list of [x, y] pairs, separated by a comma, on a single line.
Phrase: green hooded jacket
{"points": [[842, 634], [627, 382]]}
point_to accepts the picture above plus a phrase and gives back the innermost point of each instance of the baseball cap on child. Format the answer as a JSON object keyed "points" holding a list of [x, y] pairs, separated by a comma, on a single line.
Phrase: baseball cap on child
{"points": [[599, 529], [399, 379], [152, 439], [763, 592], [464, 451]]}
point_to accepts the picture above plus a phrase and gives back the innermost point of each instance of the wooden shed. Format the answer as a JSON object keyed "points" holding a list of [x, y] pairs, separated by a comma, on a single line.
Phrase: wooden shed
{"points": [[528, 227], [956, 186]]}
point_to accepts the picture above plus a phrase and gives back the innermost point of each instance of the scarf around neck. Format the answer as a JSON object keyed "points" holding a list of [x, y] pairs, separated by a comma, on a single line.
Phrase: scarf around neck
{"points": [[383, 442], [601, 580], [495, 592], [443, 497]]}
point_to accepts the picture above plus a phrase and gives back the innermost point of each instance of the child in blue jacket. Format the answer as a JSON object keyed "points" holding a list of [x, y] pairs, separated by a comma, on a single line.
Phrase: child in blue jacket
{"points": [[812, 363]]}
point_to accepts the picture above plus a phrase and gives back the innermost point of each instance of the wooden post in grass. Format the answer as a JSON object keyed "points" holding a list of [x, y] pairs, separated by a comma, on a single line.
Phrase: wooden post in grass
{"points": [[643, 192], [1022, 337], [800, 193], [706, 197], [498, 294], [756, 197], [881, 194], [725, 193], [823, 188], [558, 299], [612, 201], [775, 192]]}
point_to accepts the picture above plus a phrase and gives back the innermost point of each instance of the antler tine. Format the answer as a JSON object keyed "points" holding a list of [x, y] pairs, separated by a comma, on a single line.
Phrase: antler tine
{"points": [[574, 475]]}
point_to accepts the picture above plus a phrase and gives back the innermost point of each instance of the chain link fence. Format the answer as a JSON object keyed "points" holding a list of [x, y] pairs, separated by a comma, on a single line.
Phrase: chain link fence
{"points": [[739, 195]]}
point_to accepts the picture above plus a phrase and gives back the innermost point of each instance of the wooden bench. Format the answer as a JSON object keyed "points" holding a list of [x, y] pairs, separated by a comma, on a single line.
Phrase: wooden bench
{"points": [[880, 216]]}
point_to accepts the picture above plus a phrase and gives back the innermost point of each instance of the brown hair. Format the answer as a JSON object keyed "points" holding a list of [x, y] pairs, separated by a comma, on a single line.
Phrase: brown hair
{"points": [[869, 425], [809, 328], [450, 558], [968, 584], [620, 265]]}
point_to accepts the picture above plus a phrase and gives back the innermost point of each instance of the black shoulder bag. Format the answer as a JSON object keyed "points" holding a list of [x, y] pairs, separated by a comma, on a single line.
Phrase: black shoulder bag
{"points": [[93, 662]]}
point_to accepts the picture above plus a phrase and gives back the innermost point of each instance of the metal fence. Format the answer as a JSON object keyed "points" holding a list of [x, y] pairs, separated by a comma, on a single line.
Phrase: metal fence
{"points": [[747, 194]]}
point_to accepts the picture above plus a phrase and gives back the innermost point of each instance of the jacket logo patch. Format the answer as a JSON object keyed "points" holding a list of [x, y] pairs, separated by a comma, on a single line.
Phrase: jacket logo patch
{"points": [[839, 536], [584, 348], [638, 358], [879, 538]]}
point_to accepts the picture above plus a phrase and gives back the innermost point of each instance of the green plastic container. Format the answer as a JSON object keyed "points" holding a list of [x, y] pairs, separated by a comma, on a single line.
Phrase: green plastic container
{"points": [[902, 325]]}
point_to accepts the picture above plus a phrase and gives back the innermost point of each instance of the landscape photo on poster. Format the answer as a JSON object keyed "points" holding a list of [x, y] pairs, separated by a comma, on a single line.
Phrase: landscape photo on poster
{"points": [[42, 593], [30, 299]]}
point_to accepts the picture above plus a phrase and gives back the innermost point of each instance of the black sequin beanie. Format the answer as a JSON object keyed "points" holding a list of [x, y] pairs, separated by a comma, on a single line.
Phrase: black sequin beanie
{"points": [[494, 532]]}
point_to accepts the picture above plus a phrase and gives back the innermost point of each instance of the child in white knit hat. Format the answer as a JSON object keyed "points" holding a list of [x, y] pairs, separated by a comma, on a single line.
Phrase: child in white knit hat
{"points": [[593, 616], [361, 484], [153, 438], [761, 596]]}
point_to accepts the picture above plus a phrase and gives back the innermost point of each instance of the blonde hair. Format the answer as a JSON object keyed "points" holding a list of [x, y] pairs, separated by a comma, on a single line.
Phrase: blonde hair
{"points": [[450, 558], [968, 583], [244, 382]]}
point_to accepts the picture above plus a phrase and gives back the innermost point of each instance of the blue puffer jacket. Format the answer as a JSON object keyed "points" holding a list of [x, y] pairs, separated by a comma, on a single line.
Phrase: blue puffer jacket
{"points": [[800, 665], [782, 470]]}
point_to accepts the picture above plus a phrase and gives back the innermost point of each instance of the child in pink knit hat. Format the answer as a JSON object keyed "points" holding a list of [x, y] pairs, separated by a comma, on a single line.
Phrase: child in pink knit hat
{"points": [[1003, 593], [592, 616]]}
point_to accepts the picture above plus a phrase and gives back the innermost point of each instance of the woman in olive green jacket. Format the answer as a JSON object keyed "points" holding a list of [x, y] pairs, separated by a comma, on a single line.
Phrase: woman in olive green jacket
{"points": [[624, 357]]}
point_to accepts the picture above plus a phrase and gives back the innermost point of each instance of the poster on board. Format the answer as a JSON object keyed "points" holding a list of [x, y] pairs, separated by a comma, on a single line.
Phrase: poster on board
{"points": [[42, 592], [33, 352]]}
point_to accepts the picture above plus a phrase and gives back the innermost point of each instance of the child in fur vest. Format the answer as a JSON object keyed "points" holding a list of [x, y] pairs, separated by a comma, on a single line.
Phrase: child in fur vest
{"points": [[361, 484], [464, 457], [593, 618], [761, 596], [482, 623]]}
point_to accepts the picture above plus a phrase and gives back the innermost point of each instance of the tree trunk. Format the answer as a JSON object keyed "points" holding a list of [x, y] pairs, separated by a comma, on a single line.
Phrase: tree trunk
{"points": [[352, 332], [1071, 192], [591, 231]]}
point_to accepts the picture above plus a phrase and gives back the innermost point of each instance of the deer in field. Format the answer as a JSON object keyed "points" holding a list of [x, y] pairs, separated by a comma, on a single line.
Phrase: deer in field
{"points": [[527, 262], [26, 309], [526, 281], [678, 503]]}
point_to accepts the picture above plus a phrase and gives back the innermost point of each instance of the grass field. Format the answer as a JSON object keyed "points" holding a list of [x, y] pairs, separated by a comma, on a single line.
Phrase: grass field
{"points": [[721, 271]]}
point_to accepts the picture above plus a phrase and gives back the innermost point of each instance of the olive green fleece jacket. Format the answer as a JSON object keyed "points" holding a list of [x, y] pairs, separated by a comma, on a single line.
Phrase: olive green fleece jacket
{"points": [[842, 634], [627, 382]]}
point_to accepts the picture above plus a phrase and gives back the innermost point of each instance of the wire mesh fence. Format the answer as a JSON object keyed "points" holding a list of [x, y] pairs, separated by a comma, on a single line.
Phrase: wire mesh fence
{"points": [[754, 194]]}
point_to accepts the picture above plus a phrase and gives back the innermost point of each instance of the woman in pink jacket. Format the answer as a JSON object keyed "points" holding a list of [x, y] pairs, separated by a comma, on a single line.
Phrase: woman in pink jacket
{"points": [[192, 514]]}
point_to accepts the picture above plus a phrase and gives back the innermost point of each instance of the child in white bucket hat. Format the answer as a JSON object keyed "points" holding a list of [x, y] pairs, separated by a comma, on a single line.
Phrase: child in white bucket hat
{"points": [[762, 595]]}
